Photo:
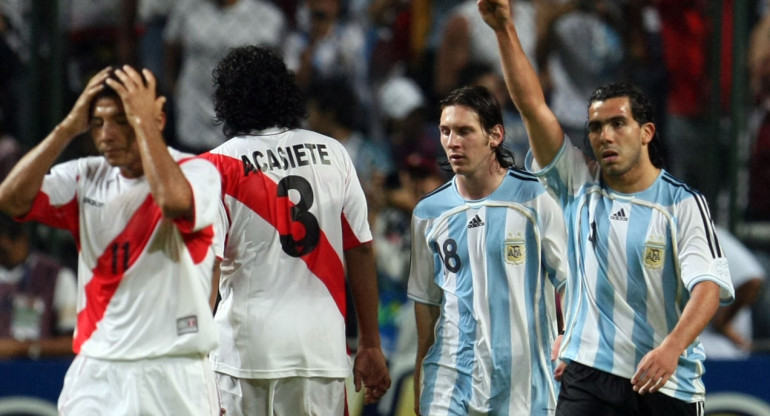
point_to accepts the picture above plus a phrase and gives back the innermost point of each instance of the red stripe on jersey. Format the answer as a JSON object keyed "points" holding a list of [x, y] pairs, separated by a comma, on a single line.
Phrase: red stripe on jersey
{"points": [[198, 243], [349, 239], [258, 192], [62, 216], [120, 254]]}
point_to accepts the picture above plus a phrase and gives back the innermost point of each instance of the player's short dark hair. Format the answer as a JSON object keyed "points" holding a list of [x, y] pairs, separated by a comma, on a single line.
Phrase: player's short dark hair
{"points": [[484, 103], [254, 90], [109, 92], [642, 111], [337, 96]]}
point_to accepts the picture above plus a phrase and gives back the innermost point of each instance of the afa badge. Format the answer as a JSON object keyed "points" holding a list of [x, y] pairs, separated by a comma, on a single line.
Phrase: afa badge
{"points": [[515, 251], [654, 256]]}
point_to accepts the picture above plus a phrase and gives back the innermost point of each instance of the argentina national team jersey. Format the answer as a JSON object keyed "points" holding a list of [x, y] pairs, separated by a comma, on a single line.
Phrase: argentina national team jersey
{"points": [[492, 265], [634, 260]]}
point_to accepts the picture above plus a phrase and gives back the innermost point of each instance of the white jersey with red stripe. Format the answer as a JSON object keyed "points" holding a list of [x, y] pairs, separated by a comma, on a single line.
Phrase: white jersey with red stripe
{"points": [[143, 281], [294, 205]]}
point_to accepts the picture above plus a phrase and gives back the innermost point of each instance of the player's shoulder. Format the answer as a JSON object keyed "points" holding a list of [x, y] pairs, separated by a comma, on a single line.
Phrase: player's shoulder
{"points": [[527, 178], [676, 190], [437, 201], [521, 185], [315, 136]]}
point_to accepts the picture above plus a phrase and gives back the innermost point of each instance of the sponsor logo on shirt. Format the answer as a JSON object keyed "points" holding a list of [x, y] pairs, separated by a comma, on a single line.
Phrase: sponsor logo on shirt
{"points": [[620, 215], [187, 325], [515, 250], [89, 201], [654, 255], [475, 222]]}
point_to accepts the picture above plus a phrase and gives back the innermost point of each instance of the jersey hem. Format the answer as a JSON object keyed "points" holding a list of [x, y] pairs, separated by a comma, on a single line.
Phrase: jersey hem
{"points": [[272, 374]]}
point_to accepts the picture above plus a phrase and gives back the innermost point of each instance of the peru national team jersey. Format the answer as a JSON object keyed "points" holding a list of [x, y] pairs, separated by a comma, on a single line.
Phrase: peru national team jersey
{"points": [[492, 266], [294, 204], [634, 260], [143, 281]]}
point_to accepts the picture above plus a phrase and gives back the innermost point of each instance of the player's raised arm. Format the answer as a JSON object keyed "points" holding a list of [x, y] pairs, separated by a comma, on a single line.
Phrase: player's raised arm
{"points": [[545, 133], [20, 187], [144, 110]]}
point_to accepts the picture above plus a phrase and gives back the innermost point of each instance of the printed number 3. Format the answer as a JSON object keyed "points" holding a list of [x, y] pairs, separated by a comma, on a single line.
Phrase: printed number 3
{"points": [[300, 213], [448, 255]]}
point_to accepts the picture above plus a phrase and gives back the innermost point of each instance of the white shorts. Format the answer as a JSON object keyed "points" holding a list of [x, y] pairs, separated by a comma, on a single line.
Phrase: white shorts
{"points": [[158, 386], [296, 396]]}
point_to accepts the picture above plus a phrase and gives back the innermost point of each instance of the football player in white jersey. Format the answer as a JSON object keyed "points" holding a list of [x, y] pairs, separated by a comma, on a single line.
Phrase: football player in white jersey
{"points": [[647, 271], [142, 216], [297, 228], [488, 250]]}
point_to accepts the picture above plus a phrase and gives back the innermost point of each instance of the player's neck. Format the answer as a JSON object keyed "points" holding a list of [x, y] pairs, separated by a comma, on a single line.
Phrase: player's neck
{"points": [[481, 184], [633, 181]]}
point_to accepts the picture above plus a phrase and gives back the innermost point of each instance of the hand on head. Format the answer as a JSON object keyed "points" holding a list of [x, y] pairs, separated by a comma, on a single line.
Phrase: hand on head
{"points": [[76, 121], [137, 92]]}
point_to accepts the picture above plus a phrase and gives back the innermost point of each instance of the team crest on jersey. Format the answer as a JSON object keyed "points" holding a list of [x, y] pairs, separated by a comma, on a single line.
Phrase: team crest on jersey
{"points": [[515, 250], [654, 255]]}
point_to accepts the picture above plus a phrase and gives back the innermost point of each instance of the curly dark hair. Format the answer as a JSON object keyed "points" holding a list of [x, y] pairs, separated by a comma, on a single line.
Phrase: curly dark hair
{"points": [[641, 109], [253, 90], [480, 100]]}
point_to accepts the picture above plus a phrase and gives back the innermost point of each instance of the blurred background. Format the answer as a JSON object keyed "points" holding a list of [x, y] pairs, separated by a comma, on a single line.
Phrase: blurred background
{"points": [[373, 72]]}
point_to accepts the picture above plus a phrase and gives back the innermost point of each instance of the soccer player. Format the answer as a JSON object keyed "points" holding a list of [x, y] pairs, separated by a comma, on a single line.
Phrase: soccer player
{"points": [[647, 270], [142, 217], [488, 250], [297, 226]]}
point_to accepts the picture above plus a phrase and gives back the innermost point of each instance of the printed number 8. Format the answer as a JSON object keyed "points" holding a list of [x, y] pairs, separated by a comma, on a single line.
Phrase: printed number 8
{"points": [[300, 214], [449, 255]]}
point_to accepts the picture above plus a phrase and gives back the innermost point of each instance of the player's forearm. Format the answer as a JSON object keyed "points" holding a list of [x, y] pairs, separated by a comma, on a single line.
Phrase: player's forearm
{"points": [[425, 317], [523, 83], [700, 309], [363, 284], [168, 185], [20, 187]]}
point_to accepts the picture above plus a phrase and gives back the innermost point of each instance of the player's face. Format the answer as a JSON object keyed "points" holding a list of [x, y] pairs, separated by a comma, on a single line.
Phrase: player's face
{"points": [[114, 136], [468, 147], [619, 142]]}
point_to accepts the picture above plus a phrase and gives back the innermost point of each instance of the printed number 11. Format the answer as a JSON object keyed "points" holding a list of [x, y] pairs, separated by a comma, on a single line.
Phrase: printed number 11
{"points": [[117, 259]]}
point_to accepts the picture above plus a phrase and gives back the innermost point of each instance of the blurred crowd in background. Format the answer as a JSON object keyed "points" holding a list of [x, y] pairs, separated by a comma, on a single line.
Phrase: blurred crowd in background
{"points": [[373, 72]]}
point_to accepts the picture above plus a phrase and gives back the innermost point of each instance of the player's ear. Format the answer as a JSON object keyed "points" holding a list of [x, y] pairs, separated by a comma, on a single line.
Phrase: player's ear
{"points": [[648, 132], [160, 113], [496, 136]]}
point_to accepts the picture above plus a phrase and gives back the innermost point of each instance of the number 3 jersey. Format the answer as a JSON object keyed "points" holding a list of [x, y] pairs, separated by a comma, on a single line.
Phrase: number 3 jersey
{"points": [[492, 266], [294, 204], [143, 280]]}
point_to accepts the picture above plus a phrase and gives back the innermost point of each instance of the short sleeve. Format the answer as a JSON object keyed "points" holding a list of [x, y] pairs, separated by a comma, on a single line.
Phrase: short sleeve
{"points": [[206, 185], [566, 175], [701, 258], [355, 215], [554, 240], [422, 287], [56, 203]]}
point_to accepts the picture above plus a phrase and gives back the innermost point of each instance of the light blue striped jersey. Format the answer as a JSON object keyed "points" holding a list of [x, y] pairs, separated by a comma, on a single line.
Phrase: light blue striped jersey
{"points": [[634, 259], [492, 265]]}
